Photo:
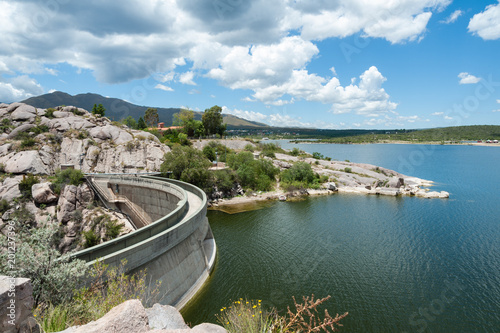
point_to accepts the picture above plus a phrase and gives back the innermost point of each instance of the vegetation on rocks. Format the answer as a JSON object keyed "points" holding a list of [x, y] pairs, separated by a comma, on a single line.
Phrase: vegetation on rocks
{"points": [[251, 316]]}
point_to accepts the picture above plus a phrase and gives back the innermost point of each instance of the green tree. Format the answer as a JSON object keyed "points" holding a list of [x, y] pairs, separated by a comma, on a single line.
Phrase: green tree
{"points": [[151, 117], [213, 121], [130, 122], [189, 125], [187, 164], [141, 124], [209, 153], [98, 110]]}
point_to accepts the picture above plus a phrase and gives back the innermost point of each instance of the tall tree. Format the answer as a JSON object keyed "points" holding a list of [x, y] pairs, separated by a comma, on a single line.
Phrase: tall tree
{"points": [[98, 110], [213, 121], [151, 117], [141, 124], [189, 125]]}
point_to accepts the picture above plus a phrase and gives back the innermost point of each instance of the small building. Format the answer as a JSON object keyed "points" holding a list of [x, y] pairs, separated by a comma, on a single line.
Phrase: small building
{"points": [[161, 127]]}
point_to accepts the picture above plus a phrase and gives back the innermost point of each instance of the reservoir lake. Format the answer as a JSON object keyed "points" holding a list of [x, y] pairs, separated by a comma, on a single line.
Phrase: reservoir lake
{"points": [[396, 264]]}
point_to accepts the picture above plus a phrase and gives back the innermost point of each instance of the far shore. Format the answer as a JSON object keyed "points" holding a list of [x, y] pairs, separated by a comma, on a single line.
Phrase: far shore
{"points": [[479, 144]]}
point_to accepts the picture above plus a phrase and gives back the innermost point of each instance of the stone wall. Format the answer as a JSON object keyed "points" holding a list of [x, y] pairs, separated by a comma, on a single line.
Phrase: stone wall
{"points": [[16, 304]]}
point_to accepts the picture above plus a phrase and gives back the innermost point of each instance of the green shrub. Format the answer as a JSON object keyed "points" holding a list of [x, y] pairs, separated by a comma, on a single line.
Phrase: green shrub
{"points": [[317, 155], [295, 152], [90, 239], [348, 170], [53, 276], [28, 142], [67, 177], [209, 153], [26, 184], [2, 168], [113, 229], [49, 113], [78, 215], [250, 316], [53, 318], [4, 206], [249, 148], [82, 134]]}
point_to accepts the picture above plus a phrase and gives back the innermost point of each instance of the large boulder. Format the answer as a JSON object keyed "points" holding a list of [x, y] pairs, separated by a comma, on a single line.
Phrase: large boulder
{"points": [[128, 317], [23, 112], [114, 133], [9, 189], [165, 317], [13, 106], [43, 194], [25, 162], [67, 204], [4, 149], [20, 129]]}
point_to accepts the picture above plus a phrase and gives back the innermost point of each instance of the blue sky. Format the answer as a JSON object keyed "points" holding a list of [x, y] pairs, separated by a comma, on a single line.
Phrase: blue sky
{"points": [[324, 64]]}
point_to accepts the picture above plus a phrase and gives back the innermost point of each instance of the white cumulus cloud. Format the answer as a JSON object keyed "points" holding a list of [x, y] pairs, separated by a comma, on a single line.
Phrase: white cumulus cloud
{"points": [[437, 114], [163, 87], [18, 88], [453, 17], [187, 78], [466, 78], [486, 24]]}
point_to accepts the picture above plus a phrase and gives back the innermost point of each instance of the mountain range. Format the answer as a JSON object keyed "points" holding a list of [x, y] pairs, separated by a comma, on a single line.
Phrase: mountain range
{"points": [[117, 109]]}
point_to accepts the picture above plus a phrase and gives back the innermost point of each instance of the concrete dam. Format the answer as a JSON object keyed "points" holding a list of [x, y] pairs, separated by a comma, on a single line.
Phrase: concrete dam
{"points": [[172, 241]]}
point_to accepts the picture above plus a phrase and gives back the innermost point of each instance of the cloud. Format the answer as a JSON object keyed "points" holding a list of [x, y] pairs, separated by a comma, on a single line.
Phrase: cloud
{"points": [[163, 87], [498, 101], [466, 78], [437, 114], [486, 24], [127, 40], [395, 21], [498, 110], [18, 88], [453, 17], [187, 78], [248, 115]]}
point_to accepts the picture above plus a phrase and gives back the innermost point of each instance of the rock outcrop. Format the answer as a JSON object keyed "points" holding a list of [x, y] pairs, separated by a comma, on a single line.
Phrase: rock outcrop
{"points": [[131, 317], [76, 137]]}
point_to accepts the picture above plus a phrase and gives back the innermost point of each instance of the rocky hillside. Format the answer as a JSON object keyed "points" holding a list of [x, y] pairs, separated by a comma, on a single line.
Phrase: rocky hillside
{"points": [[35, 143]]}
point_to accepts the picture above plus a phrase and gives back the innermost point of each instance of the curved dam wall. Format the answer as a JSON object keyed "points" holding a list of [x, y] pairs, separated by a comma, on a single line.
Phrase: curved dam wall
{"points": [[177, 247]]}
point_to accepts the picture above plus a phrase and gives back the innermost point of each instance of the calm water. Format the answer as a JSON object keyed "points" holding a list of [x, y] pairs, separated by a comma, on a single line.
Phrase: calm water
{"points": [[395, 264]]}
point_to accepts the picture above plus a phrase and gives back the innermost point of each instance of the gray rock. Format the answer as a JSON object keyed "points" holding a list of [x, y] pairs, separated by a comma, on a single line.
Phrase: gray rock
{"points": [[62, 114], [84, 196], [43, 194], [13, 106], [4, 149], [24, 321], [23, 112], [331, 186], [20, 129], [114, 133], [67, 204], [128, 317], [165, 317], [26, 162], [208, 328], [3, 105], [9, 190]]}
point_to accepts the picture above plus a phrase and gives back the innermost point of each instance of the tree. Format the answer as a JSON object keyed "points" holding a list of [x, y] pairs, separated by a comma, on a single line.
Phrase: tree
{"points": [[141, 124], [151, 117], [213, 121], [130, 122], [98, 110], [189, 125], [187, 164]]}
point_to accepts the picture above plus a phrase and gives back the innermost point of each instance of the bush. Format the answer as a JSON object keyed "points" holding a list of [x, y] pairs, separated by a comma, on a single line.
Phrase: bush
{"points": [[67, 177], [187, 164], [40, 129], [295, 152], [4, 206], [28, 142], [91, 239], [256, 174], [249, 148], [26, 184], [209, 153], [348, 170], [249, 316], [113, 229], [54, 277], [2, 168], [49, 113], [318, 156]]}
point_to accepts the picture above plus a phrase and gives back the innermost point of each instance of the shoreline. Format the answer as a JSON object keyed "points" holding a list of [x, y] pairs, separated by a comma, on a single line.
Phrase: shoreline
{"points": [[482, 144]]}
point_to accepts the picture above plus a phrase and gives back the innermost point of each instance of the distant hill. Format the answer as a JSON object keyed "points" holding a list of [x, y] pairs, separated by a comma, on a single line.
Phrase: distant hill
{"points": [[117, 109]]}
